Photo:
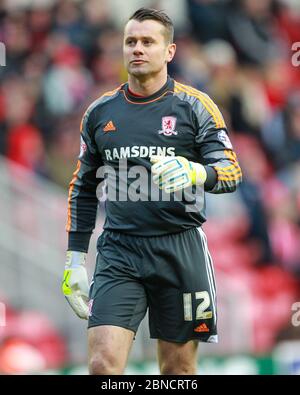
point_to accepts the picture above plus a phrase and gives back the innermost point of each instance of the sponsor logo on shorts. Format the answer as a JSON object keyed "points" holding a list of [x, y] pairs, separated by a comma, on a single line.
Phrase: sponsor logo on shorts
{"points": [[201, 328]]}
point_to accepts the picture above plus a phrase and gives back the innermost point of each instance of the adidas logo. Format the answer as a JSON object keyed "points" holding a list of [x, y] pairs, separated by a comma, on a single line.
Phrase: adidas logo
{"points": [[109, 127], [202, 328]]}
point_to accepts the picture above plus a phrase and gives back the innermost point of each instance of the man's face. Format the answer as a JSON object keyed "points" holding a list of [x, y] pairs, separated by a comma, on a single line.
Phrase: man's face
{"points": [[145, 49]]}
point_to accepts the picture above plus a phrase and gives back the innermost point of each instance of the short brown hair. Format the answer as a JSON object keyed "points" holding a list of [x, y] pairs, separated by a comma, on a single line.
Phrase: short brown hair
{"points": [[143, 14]]}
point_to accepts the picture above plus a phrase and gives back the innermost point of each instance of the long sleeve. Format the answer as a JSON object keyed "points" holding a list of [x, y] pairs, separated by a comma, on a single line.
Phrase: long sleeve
{"points": [[229, 174], [215, 147], [82, 201]]}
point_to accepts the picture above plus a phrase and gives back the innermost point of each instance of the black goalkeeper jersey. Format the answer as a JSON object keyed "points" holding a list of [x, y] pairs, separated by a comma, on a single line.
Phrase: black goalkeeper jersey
{"points": [[119, 132]]}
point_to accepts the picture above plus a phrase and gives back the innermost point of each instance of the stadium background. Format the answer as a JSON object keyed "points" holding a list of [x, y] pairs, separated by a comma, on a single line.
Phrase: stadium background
{"points": [[60, 56]]}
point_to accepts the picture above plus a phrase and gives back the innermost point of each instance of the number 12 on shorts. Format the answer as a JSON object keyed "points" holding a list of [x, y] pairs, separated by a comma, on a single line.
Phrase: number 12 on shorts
{"points": [[201, 313]]}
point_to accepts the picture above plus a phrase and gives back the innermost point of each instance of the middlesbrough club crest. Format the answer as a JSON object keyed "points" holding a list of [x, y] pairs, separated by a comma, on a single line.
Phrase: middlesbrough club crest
{"points": [[168, 125]]}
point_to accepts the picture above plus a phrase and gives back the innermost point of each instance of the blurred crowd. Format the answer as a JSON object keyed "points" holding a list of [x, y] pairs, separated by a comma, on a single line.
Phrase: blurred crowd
{"points": [[61, 55]]}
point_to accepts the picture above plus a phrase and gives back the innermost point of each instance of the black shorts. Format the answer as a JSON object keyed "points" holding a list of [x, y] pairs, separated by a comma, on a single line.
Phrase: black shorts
{"points": [[172, 275]]}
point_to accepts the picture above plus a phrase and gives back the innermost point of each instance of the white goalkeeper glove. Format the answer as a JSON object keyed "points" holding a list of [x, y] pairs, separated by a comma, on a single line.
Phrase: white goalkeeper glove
{"points": [[173, 173], [75, 284]]}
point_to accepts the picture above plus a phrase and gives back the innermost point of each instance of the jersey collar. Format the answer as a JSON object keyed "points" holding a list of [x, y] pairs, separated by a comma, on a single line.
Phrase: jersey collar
{"points": [[168, 87]]}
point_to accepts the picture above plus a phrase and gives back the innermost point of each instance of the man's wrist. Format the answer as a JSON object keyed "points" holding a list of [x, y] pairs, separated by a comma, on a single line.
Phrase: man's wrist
{"points": [[75, 259], [212, 178], [204, 175]]}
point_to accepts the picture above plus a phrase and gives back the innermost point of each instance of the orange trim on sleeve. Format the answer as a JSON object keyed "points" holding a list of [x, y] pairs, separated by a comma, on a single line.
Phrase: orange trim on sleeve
{"points": [[230, 154], [230, 178], [110, 93], [72, 183], [229, 174], [232, 172], [81, 124], [210, 106], [224, 169], [232, 175]]}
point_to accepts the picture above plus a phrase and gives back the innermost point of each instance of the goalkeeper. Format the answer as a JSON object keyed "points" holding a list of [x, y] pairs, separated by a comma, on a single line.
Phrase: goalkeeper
{"points": [[152, 254]]}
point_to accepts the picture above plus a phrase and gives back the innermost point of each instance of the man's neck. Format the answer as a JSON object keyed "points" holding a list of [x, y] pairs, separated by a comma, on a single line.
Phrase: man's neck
{"points": [[148, 86]]}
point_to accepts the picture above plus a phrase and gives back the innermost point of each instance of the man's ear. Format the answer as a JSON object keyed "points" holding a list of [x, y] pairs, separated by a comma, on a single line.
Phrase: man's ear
{"points": [[171, 52]]}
